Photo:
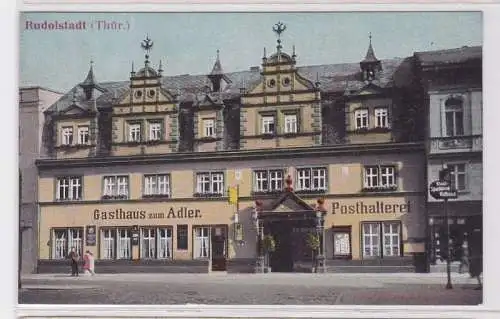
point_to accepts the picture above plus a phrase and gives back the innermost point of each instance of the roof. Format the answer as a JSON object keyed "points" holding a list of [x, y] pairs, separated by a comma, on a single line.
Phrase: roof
{"points": [[370, 55], [333, 78], [450, 56]]}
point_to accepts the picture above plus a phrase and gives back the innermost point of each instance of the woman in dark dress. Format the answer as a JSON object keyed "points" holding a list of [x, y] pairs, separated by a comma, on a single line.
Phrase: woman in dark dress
{"points": [[476, 257]]}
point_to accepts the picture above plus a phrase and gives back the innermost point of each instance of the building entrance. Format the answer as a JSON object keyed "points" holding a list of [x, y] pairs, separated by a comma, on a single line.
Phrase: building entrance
{"points": [[218, 238], [281, 260]]}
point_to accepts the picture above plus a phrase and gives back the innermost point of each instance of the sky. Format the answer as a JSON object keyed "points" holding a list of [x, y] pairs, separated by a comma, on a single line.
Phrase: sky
{"points": [[187, 42]]}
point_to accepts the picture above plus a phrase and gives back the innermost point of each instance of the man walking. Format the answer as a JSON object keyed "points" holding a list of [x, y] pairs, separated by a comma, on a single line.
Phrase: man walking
{"points": [[74, 257]]}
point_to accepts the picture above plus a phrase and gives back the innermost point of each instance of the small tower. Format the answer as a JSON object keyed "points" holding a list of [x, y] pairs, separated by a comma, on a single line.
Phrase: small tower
{"points": [[370, 65], [89, 84], [217, 75]]}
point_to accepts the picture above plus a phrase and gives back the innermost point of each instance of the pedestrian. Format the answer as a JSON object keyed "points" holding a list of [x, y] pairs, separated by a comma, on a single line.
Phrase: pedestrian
{"points": [[91, 263], [86, 263], [476, 259], [74, 257], [464, 255]]}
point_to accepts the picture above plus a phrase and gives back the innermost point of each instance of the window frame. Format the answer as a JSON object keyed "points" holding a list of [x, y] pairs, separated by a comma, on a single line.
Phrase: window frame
{"points": [[263, 124], [453, 166], [81, 129], [152, 124], [380, 117], [381, 239], [311, 178], [67, 242], [182, 230], [453, 109], [378, 175], [130, 132], [362, 114], [268, 180], [206, 127], [294, 123], [67, 135], [201, 237], [70, 188], [115, 187], [211, 181], [157, 182]]}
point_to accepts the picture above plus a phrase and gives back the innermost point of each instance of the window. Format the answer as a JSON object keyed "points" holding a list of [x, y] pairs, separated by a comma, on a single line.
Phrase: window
{"points": [[201, 242], [67, 135], [182, 237], [268, 180], [65, 239], [381, 117], [361, 117], [157, 185], [380, 177], [381, 234], [124, 243], [148, 243], [69, 188], [208, 128], [311, 179], [164, 243], [210, 183], [83, 135], [155, 131], [108, 244], [458, 176], [134, 132], [454, 117], [268, 124], [291, 123], [115, 186]]}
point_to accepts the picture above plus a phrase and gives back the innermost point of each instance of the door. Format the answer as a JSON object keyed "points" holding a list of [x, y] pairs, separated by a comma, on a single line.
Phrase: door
{"points": [[219, 261], [281, 260]]}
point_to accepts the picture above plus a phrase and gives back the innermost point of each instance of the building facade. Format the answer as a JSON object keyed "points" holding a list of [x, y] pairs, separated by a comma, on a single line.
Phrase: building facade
{"points": [[139, 172], [452, 92], [33, 101]]}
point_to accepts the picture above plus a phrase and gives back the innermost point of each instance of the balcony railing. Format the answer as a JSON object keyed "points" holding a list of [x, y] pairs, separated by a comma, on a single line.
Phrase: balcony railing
{"points": [[471, 143]]}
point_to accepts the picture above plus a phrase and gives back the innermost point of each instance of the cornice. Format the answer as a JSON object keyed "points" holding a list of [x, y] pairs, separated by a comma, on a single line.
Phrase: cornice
{"points": [[240, 155]]}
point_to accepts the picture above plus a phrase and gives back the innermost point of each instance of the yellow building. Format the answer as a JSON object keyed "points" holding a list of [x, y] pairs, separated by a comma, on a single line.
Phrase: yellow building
{"points": [[191, 173]]}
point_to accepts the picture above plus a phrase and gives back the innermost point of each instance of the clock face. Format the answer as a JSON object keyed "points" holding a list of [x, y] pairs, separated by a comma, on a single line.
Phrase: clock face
{"points": [[271, 83], [286, 81], [151, 92], [138, 94]]}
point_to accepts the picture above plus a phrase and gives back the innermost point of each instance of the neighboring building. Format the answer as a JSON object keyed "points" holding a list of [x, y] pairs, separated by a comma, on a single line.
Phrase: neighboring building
{"points": [[138, 171], [452, 93], [33, 101]]}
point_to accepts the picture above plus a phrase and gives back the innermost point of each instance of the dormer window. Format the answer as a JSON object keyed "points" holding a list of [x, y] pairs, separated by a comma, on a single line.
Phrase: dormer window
{"points": [[134, 132], [67, 135], [361, 117], [208, 128], [83, 135], [381, 117], [268, 125]]}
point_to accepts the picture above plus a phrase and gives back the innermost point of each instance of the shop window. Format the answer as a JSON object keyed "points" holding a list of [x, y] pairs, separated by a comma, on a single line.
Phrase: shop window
{"points": [[63, 239], [108, 243], [380, 177], [385, 235], [157, 185], [182, 237], [342, 242], [210, 183], [361, 119], [69, 188], [311, 179], [268, 180], [115, 187], [201, 242]]}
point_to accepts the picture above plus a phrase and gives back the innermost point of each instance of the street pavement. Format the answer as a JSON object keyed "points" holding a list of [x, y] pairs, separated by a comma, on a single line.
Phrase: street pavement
{"points": [[264, 289]]}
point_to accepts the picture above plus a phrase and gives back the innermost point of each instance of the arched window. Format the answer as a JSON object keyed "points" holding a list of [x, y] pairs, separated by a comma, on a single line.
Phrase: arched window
{"points": [[454, 117]]}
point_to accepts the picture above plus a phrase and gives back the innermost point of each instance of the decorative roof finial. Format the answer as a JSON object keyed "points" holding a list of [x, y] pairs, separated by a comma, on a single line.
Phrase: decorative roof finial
{"points": [[317, 80], [147, 46], [132, 72], [289, 182], [160, 68], [74, 97], [370, 37], [293, 52], [264, 57], [279, 28]]}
